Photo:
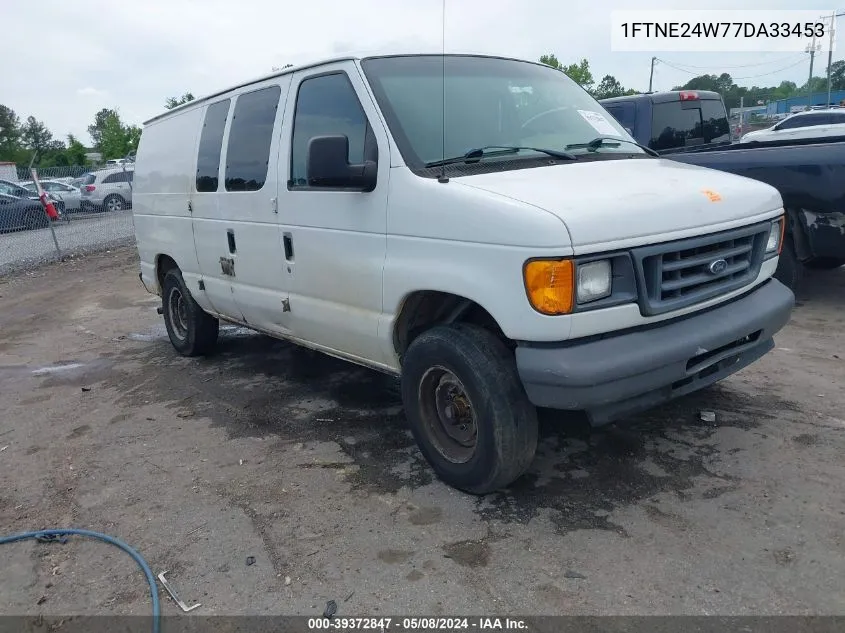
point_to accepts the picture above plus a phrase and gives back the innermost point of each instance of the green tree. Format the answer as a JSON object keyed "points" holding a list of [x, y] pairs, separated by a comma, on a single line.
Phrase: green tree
{"points": [[580, 74], [10, 134], [837, 75], [175, 102], [551, 60], [96, 128], [35, 136], [75, 151], [609, 87], [112, 138]]}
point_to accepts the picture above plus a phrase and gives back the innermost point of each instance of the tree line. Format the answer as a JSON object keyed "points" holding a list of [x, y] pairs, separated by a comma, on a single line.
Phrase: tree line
{"points": [[724, 84], [734, 94], [30, 141]]}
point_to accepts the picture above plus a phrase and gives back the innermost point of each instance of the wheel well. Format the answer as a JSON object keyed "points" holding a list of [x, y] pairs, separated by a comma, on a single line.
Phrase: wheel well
{"points": [[163, 264], [424, 309]]}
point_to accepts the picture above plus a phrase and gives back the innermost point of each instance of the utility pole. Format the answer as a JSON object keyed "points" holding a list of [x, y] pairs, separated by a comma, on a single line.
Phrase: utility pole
{"points": [[812, 50], [833, 17], [651, 74]]}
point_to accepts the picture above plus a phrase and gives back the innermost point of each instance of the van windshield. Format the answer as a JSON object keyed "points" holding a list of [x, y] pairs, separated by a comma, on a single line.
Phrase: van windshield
{"points": [[488, 102]]}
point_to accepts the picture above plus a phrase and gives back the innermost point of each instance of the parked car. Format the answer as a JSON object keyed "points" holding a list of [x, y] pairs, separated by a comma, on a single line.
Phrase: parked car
{"points": [[514, 260], [809, 173], [70, 195], [118, 162], [18, 214], [107, 189], [19, 191], [827, 122]]}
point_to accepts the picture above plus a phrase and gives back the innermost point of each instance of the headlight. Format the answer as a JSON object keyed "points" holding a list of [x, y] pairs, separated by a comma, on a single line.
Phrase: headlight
{"points": [[773, 244], [594, 281]]}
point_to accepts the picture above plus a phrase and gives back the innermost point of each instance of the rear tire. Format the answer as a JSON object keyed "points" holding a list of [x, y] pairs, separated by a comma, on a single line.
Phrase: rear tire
{"points": [[790, 270], [113, 204], [467, 408], [192, 331]]}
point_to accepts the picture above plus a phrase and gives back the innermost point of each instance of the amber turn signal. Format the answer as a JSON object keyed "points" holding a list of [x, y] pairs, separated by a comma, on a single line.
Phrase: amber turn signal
{"points": [[549, 284]]}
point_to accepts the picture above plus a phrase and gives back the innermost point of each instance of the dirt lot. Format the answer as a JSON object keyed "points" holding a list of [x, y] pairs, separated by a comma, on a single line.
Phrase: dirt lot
{"points": [[304, 462]]}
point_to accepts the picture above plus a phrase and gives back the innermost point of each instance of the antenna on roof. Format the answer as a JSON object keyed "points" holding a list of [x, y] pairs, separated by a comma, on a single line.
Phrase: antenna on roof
{"points": [[443, 178]]}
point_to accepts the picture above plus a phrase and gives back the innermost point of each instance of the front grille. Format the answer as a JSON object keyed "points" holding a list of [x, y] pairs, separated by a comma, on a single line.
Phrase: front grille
{"points": [[678, 274]]}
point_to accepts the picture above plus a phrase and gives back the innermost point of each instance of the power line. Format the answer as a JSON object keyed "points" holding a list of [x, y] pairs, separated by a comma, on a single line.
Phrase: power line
{"points": [[771, 61], [774, 72]]}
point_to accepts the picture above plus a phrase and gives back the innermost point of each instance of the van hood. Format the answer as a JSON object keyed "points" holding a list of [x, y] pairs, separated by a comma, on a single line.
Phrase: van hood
{"points": [[627, 202]]}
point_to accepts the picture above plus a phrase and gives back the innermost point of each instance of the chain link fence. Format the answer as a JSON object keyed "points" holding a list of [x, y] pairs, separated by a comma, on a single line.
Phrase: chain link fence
{"points": [[94, 206]]}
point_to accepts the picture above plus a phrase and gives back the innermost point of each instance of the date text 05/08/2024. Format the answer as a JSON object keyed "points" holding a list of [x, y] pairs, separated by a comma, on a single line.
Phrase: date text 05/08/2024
{"points": [[418, 625]]}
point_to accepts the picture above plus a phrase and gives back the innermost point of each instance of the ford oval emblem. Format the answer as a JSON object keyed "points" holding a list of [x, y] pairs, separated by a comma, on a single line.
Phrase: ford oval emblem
{"points": [[717, 267]]}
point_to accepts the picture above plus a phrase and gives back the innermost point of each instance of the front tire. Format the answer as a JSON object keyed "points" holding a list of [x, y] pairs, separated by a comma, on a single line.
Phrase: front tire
{"points": [[467, 408], [192, 331]]}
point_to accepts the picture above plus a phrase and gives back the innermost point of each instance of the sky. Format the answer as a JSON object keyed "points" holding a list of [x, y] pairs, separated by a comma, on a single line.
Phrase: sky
{"points": [[70, 59]]}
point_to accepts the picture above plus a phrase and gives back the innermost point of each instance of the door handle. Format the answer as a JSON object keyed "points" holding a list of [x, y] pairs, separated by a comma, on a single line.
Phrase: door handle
{"points": [[287, 239], [230, 237]]}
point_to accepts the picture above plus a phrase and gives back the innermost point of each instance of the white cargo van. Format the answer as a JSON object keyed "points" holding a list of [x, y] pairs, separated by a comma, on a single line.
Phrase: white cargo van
{"points": [[528, 255]]}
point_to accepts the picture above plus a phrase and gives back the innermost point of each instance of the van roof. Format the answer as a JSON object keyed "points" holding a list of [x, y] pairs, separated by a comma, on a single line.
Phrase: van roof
{"points": [[314, 64]]}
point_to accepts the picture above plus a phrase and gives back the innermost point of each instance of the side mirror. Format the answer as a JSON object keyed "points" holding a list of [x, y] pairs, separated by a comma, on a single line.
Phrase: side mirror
{"points": [[328, 165]]}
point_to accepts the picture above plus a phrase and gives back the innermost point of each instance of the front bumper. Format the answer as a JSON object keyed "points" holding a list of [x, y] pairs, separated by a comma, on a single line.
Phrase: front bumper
{"points": [[622, 374]]}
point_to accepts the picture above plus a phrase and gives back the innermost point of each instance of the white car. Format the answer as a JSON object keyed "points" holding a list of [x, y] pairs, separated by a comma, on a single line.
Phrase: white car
{"points": [[70, 195], [521, 258], [802, 125]]}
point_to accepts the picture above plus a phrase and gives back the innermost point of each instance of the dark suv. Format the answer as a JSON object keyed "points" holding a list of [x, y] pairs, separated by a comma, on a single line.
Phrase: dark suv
{"points": [[673, 121]]}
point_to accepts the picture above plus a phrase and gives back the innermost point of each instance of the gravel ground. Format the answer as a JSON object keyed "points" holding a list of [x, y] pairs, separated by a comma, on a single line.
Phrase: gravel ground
{"points": [[305, 464], [82, 234]]}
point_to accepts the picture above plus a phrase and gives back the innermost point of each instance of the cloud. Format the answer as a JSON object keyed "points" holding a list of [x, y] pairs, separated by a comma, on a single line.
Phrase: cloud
{"points": [[88, 91]]}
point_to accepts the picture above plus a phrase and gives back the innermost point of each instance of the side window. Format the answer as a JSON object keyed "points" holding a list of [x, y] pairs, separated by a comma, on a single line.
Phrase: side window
{"points": [[130, 175], [623, 112], [326, 105], [113, 178], [211, 145], [796, 121], [673, 126], [250, 136]]}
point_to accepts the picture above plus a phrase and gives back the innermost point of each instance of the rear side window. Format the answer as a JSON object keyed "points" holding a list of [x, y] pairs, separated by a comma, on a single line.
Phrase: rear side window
{"points": [[806, 120], [715, 121], [674, 126], [250, 137], [119, 176], [211, 145]]}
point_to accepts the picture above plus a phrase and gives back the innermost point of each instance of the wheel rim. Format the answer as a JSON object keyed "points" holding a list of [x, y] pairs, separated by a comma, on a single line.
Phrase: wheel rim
{"points": [[114, 204], [448, 415], [177, 310]]}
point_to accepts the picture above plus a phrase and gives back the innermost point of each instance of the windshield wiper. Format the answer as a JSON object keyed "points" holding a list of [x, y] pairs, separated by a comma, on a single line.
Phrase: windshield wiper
{"points": [[478, 153], [601, 140]]}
